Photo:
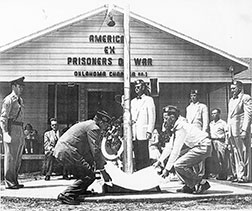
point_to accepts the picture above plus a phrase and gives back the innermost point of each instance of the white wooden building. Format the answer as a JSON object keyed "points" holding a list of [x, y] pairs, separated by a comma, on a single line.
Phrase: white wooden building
{"points": [[75, 67]]}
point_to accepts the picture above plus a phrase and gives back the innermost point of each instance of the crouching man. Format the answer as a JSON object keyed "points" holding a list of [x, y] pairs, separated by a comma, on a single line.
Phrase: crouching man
{"points": [[79, 147], [196, 147]]}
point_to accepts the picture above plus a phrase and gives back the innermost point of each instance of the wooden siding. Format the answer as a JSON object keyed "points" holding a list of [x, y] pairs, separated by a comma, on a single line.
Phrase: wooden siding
{"points": [[219, 97], [173, 59]]}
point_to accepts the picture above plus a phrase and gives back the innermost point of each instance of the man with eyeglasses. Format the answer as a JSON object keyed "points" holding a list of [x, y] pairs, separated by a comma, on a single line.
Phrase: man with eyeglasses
{"points": [[143, 121], [187, 147], [50, 139], [11, 122]]}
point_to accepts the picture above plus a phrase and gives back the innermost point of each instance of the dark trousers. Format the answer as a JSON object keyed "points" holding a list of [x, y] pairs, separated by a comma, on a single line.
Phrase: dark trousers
{"points": [[81, 170], [48, 163], [141, 152]]}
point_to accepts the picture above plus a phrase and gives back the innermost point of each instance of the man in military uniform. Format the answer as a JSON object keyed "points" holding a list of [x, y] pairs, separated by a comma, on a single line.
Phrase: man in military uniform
{"points": [[197, 147], [197, 114], [79, 147], [11, 122]]}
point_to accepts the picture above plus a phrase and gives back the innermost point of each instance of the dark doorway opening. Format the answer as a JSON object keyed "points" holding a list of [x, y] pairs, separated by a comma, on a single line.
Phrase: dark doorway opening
{"points": [[63, 103], [103, 100]]}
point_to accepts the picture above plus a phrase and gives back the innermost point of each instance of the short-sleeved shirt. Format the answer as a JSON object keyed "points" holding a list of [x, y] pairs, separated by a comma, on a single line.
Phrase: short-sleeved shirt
{"points": [[12, 108], [218, 130]]}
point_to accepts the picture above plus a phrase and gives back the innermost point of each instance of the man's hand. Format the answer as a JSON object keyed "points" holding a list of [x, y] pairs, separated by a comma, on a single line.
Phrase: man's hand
{"points": [[158, 167], [156, 164], [165, 173], [6, 138], [105, 175], [243, 134]]}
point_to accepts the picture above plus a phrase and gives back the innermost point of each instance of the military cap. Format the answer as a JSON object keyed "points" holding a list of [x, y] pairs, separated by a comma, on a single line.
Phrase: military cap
{"points": [[139, 82], [194, 91], [19, 81], [170, 109], [103, 115], [238, 83]]}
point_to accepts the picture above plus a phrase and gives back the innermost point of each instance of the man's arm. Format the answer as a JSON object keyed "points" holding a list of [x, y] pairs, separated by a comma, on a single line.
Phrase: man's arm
{"points": [[205, 118], [247, 105], [180, 135], [93, 139], [47, 144], [6, 107], [151, 115]]}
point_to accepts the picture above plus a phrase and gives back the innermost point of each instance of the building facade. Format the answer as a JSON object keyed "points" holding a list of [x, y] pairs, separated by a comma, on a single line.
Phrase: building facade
{"points": [[76, 67]]}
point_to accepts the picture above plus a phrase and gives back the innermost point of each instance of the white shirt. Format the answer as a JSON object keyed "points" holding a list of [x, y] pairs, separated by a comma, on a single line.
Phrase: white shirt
{"points": [[218, 130], [184, 133]]}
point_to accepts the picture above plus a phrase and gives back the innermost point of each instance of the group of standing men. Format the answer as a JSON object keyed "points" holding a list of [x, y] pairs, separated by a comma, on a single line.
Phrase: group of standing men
{"points": [[192, 142], [185, 153]]}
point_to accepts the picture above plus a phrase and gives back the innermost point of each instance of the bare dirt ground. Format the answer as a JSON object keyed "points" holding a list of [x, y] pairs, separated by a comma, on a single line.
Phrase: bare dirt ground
{"points": [[234, 203]]}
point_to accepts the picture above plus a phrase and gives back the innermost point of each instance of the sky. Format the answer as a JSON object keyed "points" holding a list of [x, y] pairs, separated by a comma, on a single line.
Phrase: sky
{"points": [[224, 24]]}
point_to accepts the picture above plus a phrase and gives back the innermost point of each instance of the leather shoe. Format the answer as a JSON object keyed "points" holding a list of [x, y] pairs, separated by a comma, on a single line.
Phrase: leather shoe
{"points": [[67, 199], [242, 180], [47, 178], [65, 177], [235, 180], [12, 187], [20, 185], [186, 189], [203, 187], [232, 178]]}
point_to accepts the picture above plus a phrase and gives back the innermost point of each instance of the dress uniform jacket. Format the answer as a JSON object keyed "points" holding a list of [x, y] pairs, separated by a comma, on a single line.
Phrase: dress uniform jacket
{"points": [[143, 116], [197, 114], [13, 108], [239, 118]]}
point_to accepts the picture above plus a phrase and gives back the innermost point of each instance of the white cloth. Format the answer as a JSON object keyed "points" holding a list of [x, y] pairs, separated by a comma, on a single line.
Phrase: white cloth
{"points": [[143, 179]]}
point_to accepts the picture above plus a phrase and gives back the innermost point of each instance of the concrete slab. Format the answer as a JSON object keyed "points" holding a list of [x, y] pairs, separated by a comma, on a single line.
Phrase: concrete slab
{"points": [[41, 189]]}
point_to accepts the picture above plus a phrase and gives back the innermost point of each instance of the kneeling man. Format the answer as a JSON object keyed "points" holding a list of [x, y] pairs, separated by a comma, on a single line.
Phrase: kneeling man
{"points": [[188, 146], [79, 147]]}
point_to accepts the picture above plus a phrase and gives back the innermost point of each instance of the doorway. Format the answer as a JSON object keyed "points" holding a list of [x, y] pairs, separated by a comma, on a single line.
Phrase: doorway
{"points": [[63, 103], [103, 100]]}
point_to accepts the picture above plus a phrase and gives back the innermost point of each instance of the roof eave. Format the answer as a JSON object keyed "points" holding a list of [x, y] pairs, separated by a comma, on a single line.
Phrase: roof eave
{"points": [[133, 15]]}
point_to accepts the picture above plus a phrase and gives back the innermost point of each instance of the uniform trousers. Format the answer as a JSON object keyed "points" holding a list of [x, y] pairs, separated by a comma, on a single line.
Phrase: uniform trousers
{"points": [[13, 155], [193, 156]]}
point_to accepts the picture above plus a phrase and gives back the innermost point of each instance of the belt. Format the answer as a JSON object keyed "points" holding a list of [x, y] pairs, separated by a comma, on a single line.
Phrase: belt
{"points": [[17, 123]]}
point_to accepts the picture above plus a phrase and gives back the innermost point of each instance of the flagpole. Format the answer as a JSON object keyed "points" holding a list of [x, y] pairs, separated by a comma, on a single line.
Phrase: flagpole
{"points": [[127, 134]]}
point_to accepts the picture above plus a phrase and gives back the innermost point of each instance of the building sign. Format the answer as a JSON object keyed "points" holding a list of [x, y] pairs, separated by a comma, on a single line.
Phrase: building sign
{"points": [[108, 50]]}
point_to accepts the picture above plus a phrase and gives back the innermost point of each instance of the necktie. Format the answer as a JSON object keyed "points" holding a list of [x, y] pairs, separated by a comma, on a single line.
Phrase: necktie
{"points": [[139, 97], [235, 97]]}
